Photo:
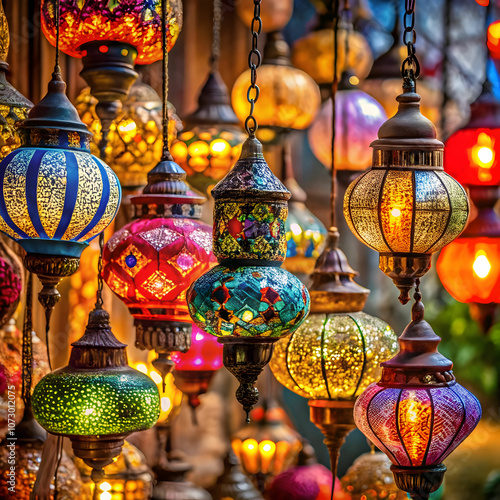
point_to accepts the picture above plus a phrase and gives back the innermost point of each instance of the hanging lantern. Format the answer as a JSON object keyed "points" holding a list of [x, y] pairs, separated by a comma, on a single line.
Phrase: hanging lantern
{"points": [[469, 267], [493, 34], [110, 38], [268, 445], [14, 107], [289, 97], [247, 301], [417, 414], [152, 261], [275, 15], [194, 369], [211, 141], [336, 353], [370, 478], [232, 484], [305, 233], [134, 140], [406, 207], [472, 153], [127, 477], [358, 117], [56, 196], [314, 52], [97, 400], [170, 395]]}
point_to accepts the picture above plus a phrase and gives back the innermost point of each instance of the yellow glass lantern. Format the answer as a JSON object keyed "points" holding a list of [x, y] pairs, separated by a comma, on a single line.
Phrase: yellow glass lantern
{"points": [[406, 207], [135, 143], [314, 54], [289, 98], [170, 395], [126, 478]]}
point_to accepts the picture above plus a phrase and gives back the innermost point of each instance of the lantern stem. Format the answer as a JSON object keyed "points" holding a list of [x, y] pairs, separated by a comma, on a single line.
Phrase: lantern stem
{"points": [[419, 482], [335, 420]]}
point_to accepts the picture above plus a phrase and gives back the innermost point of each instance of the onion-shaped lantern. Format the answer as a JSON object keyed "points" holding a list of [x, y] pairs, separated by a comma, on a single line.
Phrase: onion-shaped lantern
{"points": [[55, 195], [406, 207], [336, 353], [248, 301], [97, 400], [135, 140], [14, 107], [417, 414], [151, 262], [211, 141], [110, 37], [289, 98], [194, 369], [358, 117]]}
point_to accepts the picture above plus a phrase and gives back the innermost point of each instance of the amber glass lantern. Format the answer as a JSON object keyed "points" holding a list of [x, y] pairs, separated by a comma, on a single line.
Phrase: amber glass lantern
{"points": [[135, 137], [336, 353], [268, 445], [289, 98], [358, 116], [406, 207], [126, 478], [275, 15]]}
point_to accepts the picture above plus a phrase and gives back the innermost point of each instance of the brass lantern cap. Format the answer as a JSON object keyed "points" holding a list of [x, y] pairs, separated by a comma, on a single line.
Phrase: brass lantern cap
{"points": [[332, 288], [408, 129]]}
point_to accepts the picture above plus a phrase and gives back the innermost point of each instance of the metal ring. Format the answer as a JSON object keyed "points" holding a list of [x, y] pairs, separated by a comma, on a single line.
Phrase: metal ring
{"points": [[251, 64], [251, 129], [257, 93], [252, 26]]}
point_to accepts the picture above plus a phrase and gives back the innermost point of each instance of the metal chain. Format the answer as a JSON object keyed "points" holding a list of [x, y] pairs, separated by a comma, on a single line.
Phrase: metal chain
{"points": [[165, 4], [100, 284], [57, 68], [217, 20], [333, 92], [254, 61], [27, 362], [410, 68]]}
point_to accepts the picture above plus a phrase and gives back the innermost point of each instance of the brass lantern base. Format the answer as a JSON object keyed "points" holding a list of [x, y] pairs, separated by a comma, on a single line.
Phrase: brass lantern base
{"points": [[404, 269], [419, 482], [193, 384], [50, 271], [245, 358], [335, 420]]}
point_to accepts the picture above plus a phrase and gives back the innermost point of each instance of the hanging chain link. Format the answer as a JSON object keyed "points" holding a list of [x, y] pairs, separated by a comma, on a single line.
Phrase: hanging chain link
{"points": [[217, 20], [254, 61], [410, 68], [165, 7], [100, 284]]}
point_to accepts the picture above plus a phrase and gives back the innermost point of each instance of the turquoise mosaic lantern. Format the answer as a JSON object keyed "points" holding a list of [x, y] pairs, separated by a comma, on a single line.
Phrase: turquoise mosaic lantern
{"points": [[248, 301]]}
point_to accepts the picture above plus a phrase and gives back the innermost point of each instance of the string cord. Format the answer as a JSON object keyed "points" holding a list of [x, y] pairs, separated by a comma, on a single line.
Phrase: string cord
{"points": [[217, 20], [333, 192]]}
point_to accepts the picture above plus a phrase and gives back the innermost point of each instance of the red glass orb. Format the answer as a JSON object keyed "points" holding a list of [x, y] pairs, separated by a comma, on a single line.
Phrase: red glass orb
{"points": [[150, 264], [478, 279], [135, 22], [205, 353], [494, 39], [472, 156]]}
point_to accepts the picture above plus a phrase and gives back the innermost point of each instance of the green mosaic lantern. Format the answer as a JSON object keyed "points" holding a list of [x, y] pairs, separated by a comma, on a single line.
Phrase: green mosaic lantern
{"points": [[97, 400], [248, 301]]}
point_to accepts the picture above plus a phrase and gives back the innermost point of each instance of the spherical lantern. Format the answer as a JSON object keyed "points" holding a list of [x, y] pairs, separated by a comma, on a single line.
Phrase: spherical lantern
{"points": [[97, 400], [289, 98], [314, 54], [472, 153], [14, 107], [417, 414], [268, 445], [126, 478], [135, 24], [211, 141], [358, 117], [55, 195], [194, 369], [336, 353], [134, 140], [275, 15], [151, 262], [247, 301], [405, 207], [370, 478]]}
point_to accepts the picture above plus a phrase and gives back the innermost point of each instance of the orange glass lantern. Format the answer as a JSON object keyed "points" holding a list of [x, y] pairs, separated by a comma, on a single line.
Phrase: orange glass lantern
{"points": [[289, 98], [494, 39], [275, 14]]}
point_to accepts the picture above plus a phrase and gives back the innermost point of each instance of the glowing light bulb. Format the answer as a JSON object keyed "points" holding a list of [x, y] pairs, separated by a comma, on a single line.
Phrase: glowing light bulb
{"points": [[395, 212], [165, 403], [105, 486], [353, 80], [295, 229], [141, 367], [485, 156], [199, 336], [482, 153], [219, 146], [156, 377], [105, 495], [481, 266], [127, 126], [249, 446]]}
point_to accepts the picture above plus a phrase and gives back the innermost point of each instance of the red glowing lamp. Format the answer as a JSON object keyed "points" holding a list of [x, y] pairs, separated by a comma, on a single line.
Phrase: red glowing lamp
{"points": [[494, 39]]}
